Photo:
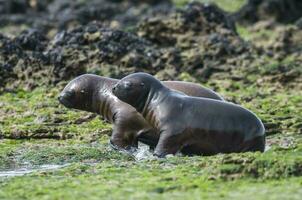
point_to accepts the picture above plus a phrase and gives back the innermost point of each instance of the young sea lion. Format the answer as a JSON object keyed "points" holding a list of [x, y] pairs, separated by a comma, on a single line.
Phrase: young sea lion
{"points": [[92, 93], [194, 125]]}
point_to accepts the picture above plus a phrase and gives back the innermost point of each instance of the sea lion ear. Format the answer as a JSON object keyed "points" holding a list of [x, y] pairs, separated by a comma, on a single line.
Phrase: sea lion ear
{"points": [[142, 84]]}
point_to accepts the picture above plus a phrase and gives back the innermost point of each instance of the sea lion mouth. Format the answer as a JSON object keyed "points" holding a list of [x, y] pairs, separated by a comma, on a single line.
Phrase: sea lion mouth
{"points": [[66, 98], [65, 102], [118, 92]]}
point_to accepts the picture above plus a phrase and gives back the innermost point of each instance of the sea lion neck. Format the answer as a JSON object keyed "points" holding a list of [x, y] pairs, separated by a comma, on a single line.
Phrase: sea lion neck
{"points": [[158, 94], [155, 96], [104, 84], [103, 92]]}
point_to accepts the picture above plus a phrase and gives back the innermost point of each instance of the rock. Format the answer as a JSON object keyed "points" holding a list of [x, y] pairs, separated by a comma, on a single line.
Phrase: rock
{"points": [[199, 39], [32, 39], [14, 6], [64, 14], [283, 11], [196, 19], [203, 33], [299, 23]]}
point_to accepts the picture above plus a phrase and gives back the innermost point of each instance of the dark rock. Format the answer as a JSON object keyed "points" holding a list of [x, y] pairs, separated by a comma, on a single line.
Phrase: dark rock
{"points": [[32, 39], [299, 23], [283, 11], [204, 35], [196, 19], [199, 39], [103, 50], [14, 6]]}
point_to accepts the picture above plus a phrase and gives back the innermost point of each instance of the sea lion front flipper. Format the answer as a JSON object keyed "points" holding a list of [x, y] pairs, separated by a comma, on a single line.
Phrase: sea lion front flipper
{"points": [[168, 143], [121, 138]]}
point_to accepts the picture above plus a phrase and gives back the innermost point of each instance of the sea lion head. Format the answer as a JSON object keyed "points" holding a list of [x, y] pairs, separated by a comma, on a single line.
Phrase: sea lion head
{"points": [[135, 89], [79, 92]]}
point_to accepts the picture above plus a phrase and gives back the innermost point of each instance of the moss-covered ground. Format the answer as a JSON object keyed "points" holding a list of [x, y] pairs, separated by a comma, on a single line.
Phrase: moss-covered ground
{"points": [[36, 130], [228, 5]]}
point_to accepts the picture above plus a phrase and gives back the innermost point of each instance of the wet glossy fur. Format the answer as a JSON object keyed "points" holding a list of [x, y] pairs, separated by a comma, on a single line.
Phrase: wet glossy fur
{"points": [[94, 94], [194, 125]]}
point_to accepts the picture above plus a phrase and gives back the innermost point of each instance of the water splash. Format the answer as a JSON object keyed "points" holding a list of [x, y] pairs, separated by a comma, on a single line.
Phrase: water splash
{"points": [[267, 148], [143, 153], [27, 170]]}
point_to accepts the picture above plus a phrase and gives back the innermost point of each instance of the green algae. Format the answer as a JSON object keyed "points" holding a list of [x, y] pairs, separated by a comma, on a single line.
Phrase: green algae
{"points": [[38, 114], [98, 172], [228, 5], [47, 151], [7, 147], [147, 180]]}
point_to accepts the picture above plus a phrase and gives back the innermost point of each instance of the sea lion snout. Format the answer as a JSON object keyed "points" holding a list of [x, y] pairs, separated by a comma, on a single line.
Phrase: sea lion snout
{"points": [[65, 98], [116, 89], [124, 90], [122, 85]]}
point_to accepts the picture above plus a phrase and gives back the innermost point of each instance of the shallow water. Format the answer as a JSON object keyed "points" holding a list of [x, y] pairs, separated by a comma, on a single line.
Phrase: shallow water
{"points": [[143, 153], [27, 170], [267, 147]]}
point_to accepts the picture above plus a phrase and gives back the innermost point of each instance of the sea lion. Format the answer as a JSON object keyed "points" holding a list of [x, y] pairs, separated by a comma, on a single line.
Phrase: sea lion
{"points": [[195, 125], [92, 93]]}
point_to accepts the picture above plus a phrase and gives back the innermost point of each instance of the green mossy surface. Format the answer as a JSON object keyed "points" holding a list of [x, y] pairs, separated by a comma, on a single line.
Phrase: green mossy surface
{"points": [[38, 114], [118, 181], [273, 175], [228, 5], [36, 130], [96, 171]]}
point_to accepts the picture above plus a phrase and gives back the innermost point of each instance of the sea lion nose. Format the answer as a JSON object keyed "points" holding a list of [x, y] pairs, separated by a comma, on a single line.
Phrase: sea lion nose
{"points": [[60, 97], [65, 95]]}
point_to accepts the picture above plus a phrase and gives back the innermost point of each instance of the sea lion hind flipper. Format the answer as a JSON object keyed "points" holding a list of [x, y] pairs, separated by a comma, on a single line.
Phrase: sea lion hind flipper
{"points": [[256, 144]]}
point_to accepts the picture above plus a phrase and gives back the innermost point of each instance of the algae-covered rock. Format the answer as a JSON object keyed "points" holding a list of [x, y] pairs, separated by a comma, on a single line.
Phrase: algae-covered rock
{"points": [[199, 39], [203, 34], [284, 11], [23, 62], [9, 53], [102, 50], [32, 39], [63, 14], [196, 19]]}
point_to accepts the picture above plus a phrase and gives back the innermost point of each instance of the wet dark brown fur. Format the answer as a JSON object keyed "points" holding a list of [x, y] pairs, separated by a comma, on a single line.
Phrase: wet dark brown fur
{"points": [[193, 125], [94, 94]]}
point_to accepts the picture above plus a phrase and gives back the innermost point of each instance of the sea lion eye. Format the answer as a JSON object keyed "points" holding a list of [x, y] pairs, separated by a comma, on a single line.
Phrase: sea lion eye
{"points": [[142, 84]]}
